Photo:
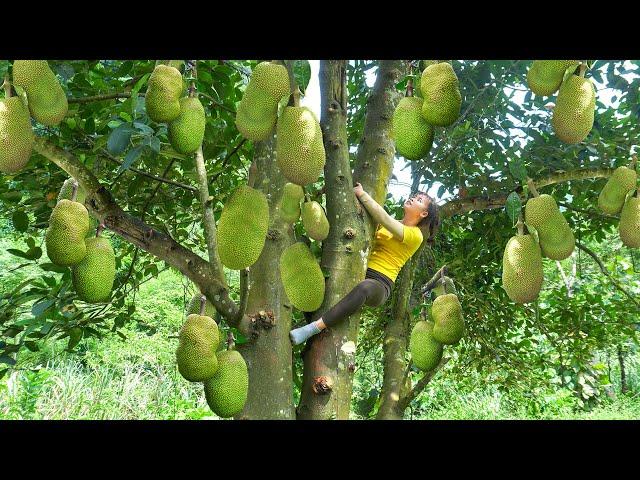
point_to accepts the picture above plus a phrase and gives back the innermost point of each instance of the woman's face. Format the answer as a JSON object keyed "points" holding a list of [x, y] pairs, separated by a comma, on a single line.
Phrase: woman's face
{"points": [[417, 205]]}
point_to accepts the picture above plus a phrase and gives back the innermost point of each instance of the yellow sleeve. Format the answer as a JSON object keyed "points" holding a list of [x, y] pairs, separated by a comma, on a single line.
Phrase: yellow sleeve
{"points": [[412, 237]]}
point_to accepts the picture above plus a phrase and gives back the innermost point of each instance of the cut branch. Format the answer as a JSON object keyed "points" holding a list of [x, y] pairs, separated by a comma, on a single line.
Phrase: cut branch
{"points": [[422, 383], [100, 98]]}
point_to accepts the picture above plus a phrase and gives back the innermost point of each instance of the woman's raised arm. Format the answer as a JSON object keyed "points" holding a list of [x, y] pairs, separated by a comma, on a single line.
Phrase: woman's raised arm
{"points": [[378, 213]]}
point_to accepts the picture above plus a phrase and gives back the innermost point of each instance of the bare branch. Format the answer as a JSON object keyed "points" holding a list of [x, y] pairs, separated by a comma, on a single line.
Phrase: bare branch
{"points": [[422, 383]]}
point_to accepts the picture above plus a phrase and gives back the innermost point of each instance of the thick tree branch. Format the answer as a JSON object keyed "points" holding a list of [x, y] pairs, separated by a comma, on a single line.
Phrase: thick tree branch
{"points": [[100, 98], [422, 383], [244, 293]]}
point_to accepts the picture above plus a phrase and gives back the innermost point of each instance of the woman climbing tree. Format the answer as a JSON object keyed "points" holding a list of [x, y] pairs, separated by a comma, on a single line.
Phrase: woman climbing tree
{"points": [[395, 242]]}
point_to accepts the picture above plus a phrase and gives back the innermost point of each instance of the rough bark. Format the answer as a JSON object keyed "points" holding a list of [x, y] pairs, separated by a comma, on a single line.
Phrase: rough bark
{"points": [[623, 373]]}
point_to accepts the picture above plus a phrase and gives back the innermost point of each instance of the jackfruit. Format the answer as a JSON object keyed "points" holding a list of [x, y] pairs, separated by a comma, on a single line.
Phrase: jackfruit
{"points": [[302, 277], [575, 108], [522, 269], [187, 131], [93, 277], [196, 353], [426, 352], [194, 307], [556, 238], [65, 237], [242, 228], [545, 76], [446, 313], [315, 221], [442, 99], [299, 147], [258, 110], [164, 90], [290, 202], [66, 191], [621, 182], [629, 226], [47, 100], [226, 392], [16, 135], [412, 134]]}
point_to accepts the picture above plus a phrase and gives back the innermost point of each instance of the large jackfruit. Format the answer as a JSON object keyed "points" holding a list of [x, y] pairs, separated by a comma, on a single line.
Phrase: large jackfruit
{"points": [[522, 269], [411, 132], [93, 277], [242, 228], [47, 100], [621, 182], [65, 237], [556, 238], [299, 148], [290, 202], [162, 100], [302, 277], [196, 353], [194, 307], [187, 131], [315, 221], [629, 226], [545, 76], [226, 392], [426, 352], [258, 110], [441, 95], [575, 108], [446, 313], [16, 135]]}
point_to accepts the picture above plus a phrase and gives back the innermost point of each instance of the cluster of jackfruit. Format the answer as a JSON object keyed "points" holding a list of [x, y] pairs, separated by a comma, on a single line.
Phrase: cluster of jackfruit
{"points": [[314, 218], [302, 277], [414, 118], [545, 76], [618, 196], [555, 236], [47, 100]]}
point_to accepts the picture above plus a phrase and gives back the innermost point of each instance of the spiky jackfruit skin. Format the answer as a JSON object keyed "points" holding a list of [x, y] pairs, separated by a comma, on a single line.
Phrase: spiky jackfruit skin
{"points": [[621, 182], [93, 277], [226, 392], [66, 191], [556, 238], [315, 221], [575, 108], [412, 134], [629, 226], [196, 353], [65, 237], [302, 277], [299, 148], [292, 194], [426, 352], [441, 95], [522, 269], [47, 100], [164, 90], [16, 135], [194, 307], [545, 76], [448, 323], [187, 131], [242, 228], [258, 109]]}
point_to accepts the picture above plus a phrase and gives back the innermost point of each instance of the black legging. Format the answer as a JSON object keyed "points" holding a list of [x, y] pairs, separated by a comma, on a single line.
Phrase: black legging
{"points": [[373, 291]]}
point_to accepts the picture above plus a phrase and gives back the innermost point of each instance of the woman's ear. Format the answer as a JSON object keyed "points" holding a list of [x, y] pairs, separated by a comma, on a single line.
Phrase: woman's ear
{"points": [[424, 213]]}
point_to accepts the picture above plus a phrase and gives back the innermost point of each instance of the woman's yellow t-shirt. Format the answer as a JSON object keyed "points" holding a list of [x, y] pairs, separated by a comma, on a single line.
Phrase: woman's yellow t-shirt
{"points": [[390, 254]]}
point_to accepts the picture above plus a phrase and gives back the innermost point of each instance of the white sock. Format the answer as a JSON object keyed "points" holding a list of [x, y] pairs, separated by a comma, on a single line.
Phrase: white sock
{"points": [[300, 335]]}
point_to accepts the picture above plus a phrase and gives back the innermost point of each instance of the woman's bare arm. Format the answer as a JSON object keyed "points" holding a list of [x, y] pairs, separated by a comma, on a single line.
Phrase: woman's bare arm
{"points": [[379, 215]]}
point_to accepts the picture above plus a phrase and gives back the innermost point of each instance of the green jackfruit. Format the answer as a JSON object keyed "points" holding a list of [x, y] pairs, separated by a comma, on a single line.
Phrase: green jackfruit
{"points": [[66, 191], [575, 108], [164, 90], [65, 237], [47, 100], [611, 198], [187, 131], [522, 269], [242, 228], [196, 353], [16, 135], [258, 110], [629, 226], [412, 134], [315, 221], [93, 277], [299, 149], [556, 238], [302, 277], [426, 352], [177, 64], [226, 392], [292, 194], [446, 313], [194, 307], [442, 99], [545, 76]]}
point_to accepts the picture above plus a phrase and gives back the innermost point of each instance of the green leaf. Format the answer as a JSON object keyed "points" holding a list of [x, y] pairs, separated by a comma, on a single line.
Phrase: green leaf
{"points": [[40, 307], [18, 253], [51, 267], [131, 157], [119, 139], [6, 359], [20, 221], [517, 169], [513, 207], [302, 74]]}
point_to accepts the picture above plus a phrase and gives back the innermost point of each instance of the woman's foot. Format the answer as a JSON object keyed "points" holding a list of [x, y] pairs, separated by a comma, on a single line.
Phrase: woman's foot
{"points": [[300, 335]]}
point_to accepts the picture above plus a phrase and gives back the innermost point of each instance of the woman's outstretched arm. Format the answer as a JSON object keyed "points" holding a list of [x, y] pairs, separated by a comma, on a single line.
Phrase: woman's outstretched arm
{"points": [[378, 213]]}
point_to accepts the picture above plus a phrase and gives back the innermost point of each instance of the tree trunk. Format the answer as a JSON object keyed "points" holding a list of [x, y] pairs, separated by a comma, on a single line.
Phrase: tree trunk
{"points": [[623, 374]]}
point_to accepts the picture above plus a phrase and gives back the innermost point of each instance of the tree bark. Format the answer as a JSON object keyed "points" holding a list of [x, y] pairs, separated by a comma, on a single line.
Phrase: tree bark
{"points": [[623, 373]]}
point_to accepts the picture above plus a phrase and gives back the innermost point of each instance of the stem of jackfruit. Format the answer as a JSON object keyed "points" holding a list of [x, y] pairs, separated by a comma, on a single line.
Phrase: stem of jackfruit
{"points": [[583, 69], [100, 228], [203, 304], [520, 225], [409, 92], [74, 190], [532, 187], [296, 96], [634, 162], [7, 86], [230, 341]]}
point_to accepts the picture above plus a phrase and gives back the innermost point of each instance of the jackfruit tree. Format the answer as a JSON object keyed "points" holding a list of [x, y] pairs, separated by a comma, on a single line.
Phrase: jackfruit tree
{"points": [[216, 170]]}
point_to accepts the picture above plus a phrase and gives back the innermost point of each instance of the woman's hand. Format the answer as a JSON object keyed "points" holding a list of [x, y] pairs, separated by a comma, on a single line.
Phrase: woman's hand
{"points": [[358, 190]]}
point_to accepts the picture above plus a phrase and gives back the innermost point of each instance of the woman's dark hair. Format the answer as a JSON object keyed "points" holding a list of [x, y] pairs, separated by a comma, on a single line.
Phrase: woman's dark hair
{"points": [[431, 221]]}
